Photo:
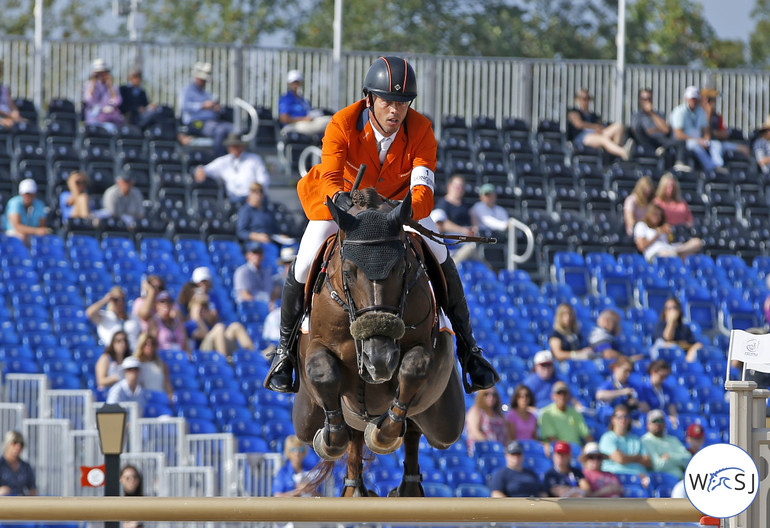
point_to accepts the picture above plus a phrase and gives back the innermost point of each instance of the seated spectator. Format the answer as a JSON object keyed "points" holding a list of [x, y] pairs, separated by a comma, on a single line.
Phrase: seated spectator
{"points": [[667, 453], [484, 420], [124, 201], [625, 452], [603, 337], [717, 127], [237, 169], [210, 333], [585, 127], [453, 217], [636, 204], [131, 482], [520, 416], [655, 394], [166, 326], [653, 237], [292, 480], [669, 198], [16, 475], [130, 388], [109, 314], [153, 371], [671, 330], [691, 126], [650, 129], [564, 479], [560, 420], [488, 218], [108, 367], [198, 105], [9, 113], [255, 222], [136, 106], [295, 113], [565, 341], [100, 99], [253, 280], [514, 480], [143, 307], [603, 483], [25, 215], [695, 438], [74, 201], [618, 389], [761, 147], [542, 379]]}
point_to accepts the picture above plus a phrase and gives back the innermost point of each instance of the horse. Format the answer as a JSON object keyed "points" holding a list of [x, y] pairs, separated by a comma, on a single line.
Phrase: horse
{"points": [[375, 368]]}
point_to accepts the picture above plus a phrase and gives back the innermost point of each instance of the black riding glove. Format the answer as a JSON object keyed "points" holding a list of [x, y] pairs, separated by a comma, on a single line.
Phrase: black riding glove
{"points": [[343, 200]]}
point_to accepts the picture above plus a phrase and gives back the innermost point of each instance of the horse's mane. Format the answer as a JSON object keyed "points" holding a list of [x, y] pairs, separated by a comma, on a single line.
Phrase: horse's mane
{"points": [[367, 199]]}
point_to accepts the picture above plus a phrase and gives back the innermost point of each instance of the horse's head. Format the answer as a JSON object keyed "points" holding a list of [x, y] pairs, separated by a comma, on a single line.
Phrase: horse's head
{"points": [[373, 266]]}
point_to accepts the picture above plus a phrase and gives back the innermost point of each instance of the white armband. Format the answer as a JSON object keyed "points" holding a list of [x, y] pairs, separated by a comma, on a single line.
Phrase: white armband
{"points": [[423, 176]]}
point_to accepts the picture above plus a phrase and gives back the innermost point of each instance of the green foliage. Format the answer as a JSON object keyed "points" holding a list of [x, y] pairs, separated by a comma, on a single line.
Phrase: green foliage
{"points": [[70, 19], [759, 41]]}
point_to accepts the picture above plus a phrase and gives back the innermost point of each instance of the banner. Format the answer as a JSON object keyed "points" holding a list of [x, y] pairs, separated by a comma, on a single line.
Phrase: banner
{"points": [[92, 477], [752, 349]]}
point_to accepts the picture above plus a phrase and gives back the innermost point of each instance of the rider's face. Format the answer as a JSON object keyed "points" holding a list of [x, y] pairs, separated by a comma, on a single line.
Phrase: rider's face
{"points": [[389, 114]]}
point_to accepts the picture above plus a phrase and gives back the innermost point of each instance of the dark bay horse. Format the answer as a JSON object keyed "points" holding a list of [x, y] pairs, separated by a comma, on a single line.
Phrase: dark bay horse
{"points": [[374, 367]]}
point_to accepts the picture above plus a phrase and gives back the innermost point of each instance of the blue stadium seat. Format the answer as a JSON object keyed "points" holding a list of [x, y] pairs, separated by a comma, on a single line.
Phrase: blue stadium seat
{"points": [[635, 492], [64, 381], [436, 489], [472, 490], [570, 268], [252, 444], [268, 413], [196, 412], [457, 477], [240, 427], [226, 397], [201, 426], [20, 366], [190, 397], [156, 409]]}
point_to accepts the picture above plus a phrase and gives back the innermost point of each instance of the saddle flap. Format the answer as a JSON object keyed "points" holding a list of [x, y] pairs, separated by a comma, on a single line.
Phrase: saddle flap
{"points": [[435, 273], [315, 269]]}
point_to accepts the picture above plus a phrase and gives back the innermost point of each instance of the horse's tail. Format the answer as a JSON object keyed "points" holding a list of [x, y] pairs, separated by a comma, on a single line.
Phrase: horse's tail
{"points": [[320, 473]]}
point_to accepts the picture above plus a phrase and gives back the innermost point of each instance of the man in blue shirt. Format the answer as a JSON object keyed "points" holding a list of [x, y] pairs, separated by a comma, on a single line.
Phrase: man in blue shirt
{"points": [[25, 214], [255, 222], [514, 480], [201, 109], [253, 280], [691, 125], [295, 112], [16, 475]]}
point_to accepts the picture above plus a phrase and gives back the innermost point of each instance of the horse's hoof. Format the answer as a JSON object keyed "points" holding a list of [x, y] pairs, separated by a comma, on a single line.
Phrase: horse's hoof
{"points": [[369, 437], [321, 448]]}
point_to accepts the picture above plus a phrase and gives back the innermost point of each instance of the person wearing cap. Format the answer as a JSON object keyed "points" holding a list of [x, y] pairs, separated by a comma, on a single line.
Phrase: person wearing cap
{"points": [[488, 218], [691, 125], [667, 453], [166, 326], [398, 147], [200, 109], [603, 483], [564, 479], [136, 106], [295, 113], [708, 98], [560, 420], [514, 480], [9, 112], [237, 169], [129, 389], [100, 98], [16, 475], [761, 146], [542, 378], [625, 452], [253, 280], [585, 127], [694, 438], [25, 215], [124, 201]]}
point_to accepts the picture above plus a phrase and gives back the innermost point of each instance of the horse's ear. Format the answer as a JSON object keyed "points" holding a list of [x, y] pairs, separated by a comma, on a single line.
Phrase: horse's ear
{"points": [[403, 211], [344, 220]]}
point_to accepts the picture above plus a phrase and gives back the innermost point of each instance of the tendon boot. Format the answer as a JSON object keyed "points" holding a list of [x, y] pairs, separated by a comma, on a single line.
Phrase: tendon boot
{"points": [[481, 373], [283, 375]]}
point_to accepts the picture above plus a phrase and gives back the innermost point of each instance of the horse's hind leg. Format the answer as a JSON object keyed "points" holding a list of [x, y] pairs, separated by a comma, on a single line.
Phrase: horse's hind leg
{"points": [[410, 483], [323, 377], [354, 481]]}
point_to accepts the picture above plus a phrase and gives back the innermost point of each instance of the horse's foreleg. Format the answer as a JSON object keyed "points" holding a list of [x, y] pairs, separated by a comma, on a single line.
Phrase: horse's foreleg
{"points": [[410, 483], [324, 378]]}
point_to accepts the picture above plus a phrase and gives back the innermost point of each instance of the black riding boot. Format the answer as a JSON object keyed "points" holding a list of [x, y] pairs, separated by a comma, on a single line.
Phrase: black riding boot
{"points": [[282, 376], [482, 374]]}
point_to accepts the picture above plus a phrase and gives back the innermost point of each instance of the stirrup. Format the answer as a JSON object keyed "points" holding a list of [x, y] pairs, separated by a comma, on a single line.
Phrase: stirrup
{"points": [[280, 359]]}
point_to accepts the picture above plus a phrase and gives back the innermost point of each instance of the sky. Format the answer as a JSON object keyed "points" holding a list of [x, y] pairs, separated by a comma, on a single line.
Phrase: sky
{"points": [[730, 18]]}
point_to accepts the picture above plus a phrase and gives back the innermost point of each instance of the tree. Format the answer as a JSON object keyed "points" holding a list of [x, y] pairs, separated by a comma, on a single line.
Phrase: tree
{"points": [[759, 41], [62, 19]]}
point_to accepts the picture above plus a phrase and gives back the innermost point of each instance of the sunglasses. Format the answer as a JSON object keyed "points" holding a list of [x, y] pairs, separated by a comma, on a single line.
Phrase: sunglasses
{"points": [[645, 98], [562, 392], [297, 449], [658, 421], [594, 457]]}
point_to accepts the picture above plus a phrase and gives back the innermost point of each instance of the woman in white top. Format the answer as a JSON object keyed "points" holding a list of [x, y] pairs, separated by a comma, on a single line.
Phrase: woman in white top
{"points": [[107, 369], [153, 371], [654, 238], [109, 314]]}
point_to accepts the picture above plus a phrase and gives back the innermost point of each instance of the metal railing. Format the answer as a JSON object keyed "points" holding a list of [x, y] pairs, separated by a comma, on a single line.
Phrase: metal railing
{"points": [[513, 257]]}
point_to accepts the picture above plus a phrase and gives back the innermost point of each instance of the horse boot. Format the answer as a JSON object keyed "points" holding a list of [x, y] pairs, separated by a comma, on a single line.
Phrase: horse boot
{"points": [[283, 375], [481, 373]]}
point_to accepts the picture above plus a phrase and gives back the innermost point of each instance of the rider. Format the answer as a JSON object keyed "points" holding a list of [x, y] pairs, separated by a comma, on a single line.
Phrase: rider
{"points": [[398, 147]]}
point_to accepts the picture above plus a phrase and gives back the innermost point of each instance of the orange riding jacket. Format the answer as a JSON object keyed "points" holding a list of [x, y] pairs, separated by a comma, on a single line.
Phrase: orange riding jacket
{"points": [[349, 142]]}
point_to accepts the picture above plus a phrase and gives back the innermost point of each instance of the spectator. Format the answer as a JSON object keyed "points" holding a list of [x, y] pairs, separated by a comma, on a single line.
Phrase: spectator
{"points": [[198, 105], [691, 126], [166, 326], [669, 198], [654, 238], [130, 388], [295, 112], [253, 281], [143, 307], [717, 127], [650, 129], [618, 389], [487, 217], [237, 169], [560, 420], [625, 452], [694, 438], [637, 203], [74, 201], [542, 379], [16, 475], [136, 106], [484, 420], [585, 127], [292, 480], [762, 147], [523, 420], [25, 215], [108, 367], [255, 222], [655, 394], [153, 371], [452, 216], [603, 483], [514, 480], [564, 479], [9, 113], [671, 330], [565, 341], [603, 337], [100, 99], [131, 481], [124, 201], [667, 453], [210, 333], [109, 315]]}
